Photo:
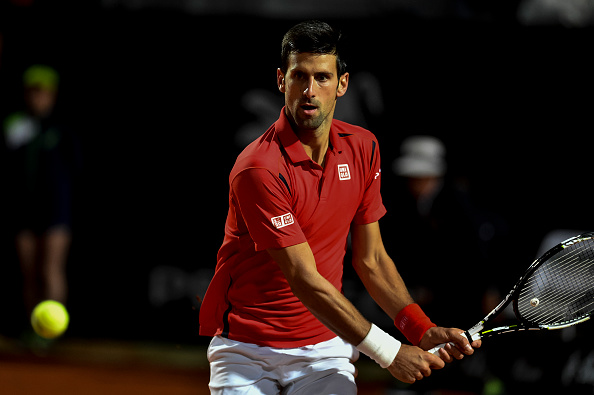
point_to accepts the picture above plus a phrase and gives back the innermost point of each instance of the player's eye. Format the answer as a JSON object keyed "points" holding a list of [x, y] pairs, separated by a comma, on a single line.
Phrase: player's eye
{"points": [[298, 75], [322, 77]]}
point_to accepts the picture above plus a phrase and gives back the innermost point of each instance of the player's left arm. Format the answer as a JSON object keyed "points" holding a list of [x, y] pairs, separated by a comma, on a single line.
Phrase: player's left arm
{"points": [[378, 273]]}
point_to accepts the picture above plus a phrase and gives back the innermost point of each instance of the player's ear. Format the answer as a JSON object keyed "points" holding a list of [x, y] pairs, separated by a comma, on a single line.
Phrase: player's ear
{"points": [[343, 84], [280, 80]]}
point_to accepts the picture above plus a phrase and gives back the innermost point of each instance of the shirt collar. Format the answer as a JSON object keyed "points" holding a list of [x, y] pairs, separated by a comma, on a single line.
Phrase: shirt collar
{"points": [[291, 143]]}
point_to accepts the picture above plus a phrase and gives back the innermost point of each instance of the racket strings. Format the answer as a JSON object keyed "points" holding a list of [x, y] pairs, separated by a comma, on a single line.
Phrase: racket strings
{"points": [[562, 288], [553, 282], [561, 302], [563, 284], [572, 291]]}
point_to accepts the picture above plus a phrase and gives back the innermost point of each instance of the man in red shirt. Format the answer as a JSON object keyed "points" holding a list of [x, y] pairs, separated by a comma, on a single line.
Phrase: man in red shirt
{"points": [[275, 309]]}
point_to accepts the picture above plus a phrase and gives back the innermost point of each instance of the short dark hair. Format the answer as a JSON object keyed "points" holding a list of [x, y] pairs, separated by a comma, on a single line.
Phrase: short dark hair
{"points": [[314, 37]]}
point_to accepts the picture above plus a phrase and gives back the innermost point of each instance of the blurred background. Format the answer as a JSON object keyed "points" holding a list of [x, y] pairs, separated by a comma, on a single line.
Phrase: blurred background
{"points": [[483, 111]]}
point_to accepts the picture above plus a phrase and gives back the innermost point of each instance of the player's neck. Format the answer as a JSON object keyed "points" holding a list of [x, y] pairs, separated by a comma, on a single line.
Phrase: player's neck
{"points": [[316, 150], [315, 143]]}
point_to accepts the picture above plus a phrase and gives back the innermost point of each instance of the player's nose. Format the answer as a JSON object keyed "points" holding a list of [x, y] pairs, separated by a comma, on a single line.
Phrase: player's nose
{"points": [[309, 89]]}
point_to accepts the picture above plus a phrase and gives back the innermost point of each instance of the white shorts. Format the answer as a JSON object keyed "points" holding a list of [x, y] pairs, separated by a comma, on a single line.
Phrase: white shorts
{"points": [[242, 368]]}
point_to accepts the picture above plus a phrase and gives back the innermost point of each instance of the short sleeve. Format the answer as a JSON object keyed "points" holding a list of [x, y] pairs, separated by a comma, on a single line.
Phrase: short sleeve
{"points": [[371, 208], [265, 208]]}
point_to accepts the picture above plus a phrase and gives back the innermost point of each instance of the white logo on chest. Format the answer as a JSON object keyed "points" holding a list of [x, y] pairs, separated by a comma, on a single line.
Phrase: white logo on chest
{"points": [[343, 172]]}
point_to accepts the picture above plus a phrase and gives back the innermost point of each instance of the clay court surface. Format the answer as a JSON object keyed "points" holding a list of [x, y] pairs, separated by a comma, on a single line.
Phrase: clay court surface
{"points": [[101, 367], [31, 377]]}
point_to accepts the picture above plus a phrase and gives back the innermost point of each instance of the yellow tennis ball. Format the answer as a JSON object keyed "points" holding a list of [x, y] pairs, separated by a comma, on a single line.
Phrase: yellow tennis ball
{"points": [[49, 319]]}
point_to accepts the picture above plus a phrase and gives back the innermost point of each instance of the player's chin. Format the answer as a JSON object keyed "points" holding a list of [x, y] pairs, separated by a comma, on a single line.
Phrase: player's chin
{"points": [[309, 123]]}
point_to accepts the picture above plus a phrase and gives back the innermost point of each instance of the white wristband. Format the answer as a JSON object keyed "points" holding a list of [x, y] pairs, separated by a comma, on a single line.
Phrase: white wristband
{"points": [[379, 346]]}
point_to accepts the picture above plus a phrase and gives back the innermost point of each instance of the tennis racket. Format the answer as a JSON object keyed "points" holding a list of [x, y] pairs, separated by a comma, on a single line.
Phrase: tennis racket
{"points": [[555, 292]]}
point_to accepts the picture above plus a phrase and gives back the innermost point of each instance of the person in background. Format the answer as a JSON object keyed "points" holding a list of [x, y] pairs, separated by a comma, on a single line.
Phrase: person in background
{"points": [[435, 214], [42, 159]]}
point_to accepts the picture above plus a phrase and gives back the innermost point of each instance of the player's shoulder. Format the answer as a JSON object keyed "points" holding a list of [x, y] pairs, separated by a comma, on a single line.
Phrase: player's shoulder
{"points": [[262, 153], [354, 135], [345, 129]]}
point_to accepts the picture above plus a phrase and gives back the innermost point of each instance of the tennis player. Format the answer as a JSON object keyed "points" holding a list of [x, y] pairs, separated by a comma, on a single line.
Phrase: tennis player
{"points": [[274, 307]]}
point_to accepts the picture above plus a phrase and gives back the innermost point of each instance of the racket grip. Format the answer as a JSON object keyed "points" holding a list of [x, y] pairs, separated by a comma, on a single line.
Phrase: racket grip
{"points": [[435, 350], [471, 338]]}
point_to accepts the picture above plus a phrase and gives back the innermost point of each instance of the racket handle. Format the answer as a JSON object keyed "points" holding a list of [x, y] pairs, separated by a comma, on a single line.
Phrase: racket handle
{"points": [[471, 338], [435, 350]]}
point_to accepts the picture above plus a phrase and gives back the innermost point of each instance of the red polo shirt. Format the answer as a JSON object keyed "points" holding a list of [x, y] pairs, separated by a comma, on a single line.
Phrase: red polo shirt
{"points": [[279, 197]]}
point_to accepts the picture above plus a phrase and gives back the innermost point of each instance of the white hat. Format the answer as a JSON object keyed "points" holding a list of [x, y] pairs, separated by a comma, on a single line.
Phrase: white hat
{"points": [[421, 156]]}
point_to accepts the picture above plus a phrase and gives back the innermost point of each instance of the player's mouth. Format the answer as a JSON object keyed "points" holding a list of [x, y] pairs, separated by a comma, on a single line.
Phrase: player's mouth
{"points": [[309, 109]]}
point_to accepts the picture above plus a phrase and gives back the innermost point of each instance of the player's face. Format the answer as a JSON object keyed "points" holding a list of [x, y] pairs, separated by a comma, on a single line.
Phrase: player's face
{"points": [[311, 86]]}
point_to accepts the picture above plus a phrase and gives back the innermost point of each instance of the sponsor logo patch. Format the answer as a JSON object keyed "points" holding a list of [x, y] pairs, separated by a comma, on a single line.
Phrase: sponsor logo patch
{"points": [[282, 220], [343, 172]]}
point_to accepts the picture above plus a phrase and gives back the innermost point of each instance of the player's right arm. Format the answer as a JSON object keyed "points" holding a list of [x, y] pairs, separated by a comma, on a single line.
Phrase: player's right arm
{"points": [[321, 298], [335, 311]]}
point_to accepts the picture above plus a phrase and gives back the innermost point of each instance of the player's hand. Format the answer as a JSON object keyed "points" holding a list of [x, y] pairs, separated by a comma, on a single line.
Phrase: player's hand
{"points": [[438, 335], [412, 364]]}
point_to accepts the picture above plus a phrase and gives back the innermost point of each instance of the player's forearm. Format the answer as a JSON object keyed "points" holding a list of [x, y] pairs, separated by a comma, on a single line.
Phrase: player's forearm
{"points": [[332, 308], [329, 306], [384, 284], [377, 271], [338, 314], [324, 301]]}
